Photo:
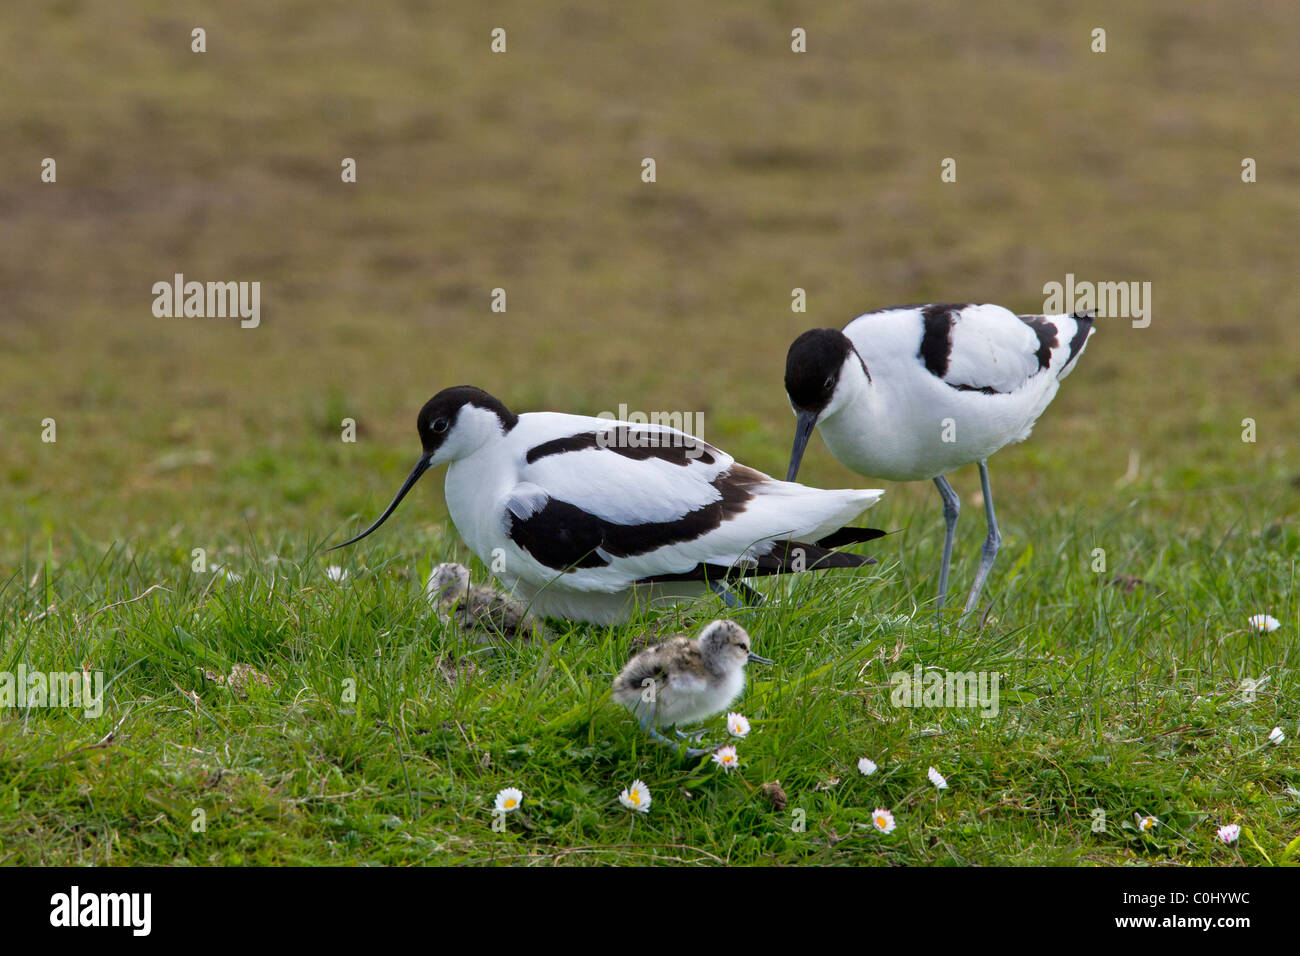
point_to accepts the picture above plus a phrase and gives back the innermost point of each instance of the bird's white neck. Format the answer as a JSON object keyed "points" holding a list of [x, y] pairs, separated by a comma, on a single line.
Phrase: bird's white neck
{"points": [[854, 388], [485, 474], [859, 417]]}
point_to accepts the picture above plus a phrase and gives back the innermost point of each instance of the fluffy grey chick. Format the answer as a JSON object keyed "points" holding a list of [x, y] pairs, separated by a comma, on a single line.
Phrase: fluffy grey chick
{"points": [[476, 607], [683, 681]]}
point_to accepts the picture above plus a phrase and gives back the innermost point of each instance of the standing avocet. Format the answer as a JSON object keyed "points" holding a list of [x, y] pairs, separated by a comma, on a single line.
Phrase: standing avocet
{"points": [[584, 517], [917, 391]]}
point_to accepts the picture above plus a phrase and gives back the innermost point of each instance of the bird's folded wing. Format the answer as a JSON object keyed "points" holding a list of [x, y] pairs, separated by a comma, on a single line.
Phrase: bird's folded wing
{"points": [[993, 349], [628, 474], [736, 517]]}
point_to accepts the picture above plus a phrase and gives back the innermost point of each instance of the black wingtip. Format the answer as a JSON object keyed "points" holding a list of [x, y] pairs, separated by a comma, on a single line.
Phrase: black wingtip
{"points": [[846, 536], [1083, 322], [792, 557], [786, 557]]}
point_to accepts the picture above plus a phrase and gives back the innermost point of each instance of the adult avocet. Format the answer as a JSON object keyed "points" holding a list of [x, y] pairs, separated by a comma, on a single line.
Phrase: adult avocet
{"points": [[584, 517], [917, 391]]}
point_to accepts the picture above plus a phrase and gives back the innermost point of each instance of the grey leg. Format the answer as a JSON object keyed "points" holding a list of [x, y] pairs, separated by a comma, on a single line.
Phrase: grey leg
{"points": [[653, 732], [991, 544], [736, 594], [951, 509], [693, 735], [728, 596]]}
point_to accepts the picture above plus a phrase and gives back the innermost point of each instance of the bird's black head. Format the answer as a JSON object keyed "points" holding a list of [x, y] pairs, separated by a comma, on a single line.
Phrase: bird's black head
{"points": [[446, 434], [812, 374], [439, 414], [812, 368]]}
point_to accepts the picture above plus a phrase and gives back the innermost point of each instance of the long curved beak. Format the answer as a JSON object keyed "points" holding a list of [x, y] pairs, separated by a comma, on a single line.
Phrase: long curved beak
{"points": [[755, 659], [803, 429], [420, 468]]}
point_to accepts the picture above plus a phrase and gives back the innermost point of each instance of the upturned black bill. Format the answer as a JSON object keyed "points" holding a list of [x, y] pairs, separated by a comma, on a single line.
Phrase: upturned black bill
{"points": [[420, 468]]}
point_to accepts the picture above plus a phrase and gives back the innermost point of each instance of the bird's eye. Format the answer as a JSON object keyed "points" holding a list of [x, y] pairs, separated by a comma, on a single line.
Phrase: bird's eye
{"points": [[440, 426], [829, 384]]}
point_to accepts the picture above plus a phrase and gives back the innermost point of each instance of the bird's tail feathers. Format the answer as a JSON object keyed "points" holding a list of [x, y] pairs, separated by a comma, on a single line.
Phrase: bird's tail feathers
{"points": [[785, 557], [1083, 329]]}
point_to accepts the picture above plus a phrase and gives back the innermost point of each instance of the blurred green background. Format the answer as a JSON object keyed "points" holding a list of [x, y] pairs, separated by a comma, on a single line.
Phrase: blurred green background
{"points": [[522, 170]]}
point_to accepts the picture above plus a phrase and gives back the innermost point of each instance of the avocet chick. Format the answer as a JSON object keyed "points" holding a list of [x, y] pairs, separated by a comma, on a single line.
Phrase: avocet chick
{"points": [[476, 607], [682, 681]]}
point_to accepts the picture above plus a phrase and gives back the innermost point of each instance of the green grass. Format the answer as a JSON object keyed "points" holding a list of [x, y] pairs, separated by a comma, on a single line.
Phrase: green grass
{"points": [[1113, 701], [775, 171]]}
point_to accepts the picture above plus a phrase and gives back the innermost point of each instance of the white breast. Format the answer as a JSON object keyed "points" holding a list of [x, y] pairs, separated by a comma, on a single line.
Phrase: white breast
{"points": [[688, 699]]}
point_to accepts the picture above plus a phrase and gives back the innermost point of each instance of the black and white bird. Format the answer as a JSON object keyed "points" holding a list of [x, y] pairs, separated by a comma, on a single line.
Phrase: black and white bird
{"points": [[476, 607], [917, 391], [583, 518], [684, 680]]}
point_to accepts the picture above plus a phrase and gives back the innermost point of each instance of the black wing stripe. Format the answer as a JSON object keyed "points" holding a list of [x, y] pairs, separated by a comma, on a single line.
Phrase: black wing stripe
{"points": [[936, 339], [1047, 337], [639, 444], [564, 537]]}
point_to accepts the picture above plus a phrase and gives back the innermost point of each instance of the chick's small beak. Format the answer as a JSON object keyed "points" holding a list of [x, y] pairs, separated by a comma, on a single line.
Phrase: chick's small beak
{"points": [[803, 429], [420, 468], [755, 659]]}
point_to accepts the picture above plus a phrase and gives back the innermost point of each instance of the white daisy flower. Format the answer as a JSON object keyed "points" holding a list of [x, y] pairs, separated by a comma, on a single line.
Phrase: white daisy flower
{"points": [[883, 821], [1146, 823], [335, 573], [727, 758], [939, 780], [636, 797], [737, 725], [866, 766], [1265, 622], [509, 800], [1229, 833], [1276, 736]]}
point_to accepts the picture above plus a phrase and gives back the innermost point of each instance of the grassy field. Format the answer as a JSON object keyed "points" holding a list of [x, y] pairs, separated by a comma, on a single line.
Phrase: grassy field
{"points": [[522, 171]]}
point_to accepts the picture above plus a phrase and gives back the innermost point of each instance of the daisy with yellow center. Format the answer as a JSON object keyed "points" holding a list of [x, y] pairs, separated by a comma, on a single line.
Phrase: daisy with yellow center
{"points": [[1265, 623], [727, 758], [737, 725], [509, 800], [1146, 823], [636, 797], [883, 821]]}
